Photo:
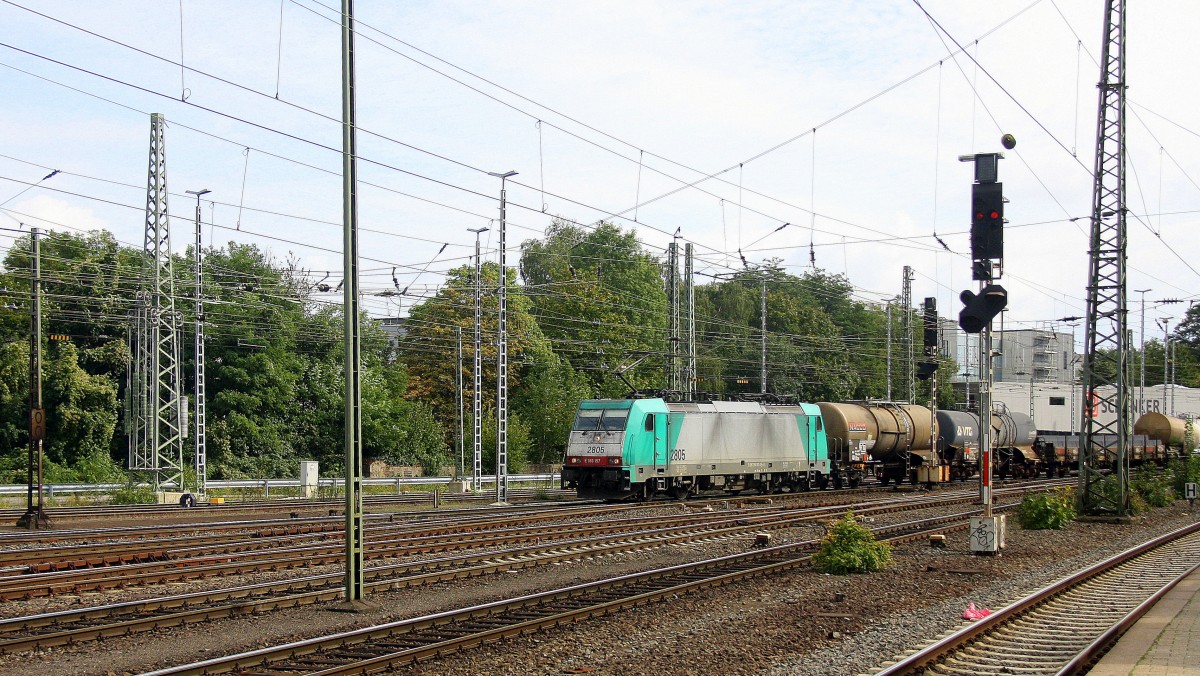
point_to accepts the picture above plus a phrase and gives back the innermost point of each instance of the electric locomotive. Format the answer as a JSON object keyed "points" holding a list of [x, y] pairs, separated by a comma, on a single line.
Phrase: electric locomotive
{"points": [[642, 448]]}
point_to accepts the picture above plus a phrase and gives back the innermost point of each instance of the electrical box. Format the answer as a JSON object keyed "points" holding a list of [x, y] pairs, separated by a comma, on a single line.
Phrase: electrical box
{"points": [[308, 478], [987, 534]]}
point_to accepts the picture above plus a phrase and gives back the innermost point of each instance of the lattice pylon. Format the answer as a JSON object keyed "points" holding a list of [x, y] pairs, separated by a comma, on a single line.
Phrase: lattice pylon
{"points": [[1106, 351], [156, 439]]}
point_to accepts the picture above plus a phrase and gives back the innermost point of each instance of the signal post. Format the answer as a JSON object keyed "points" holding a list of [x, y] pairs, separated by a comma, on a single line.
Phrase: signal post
{"points": [[987, 264]]}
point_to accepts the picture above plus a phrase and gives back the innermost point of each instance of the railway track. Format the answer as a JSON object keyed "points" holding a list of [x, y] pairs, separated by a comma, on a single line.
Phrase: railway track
{"points": [[307, 506], [85, 624], [1064, 627], [383, 647], [101, 566], [109, 546]]}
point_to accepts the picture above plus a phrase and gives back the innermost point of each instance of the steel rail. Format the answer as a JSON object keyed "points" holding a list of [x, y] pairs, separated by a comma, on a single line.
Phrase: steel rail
{"points": [[129, 617], [1024, 608], [389, 645], [253, 555]]}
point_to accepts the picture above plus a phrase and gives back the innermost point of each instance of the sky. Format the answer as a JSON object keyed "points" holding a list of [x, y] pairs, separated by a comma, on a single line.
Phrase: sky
{"points": [[720, 120]]}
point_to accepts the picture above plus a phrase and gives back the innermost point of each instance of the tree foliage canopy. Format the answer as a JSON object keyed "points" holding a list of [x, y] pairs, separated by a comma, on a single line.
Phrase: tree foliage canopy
{"points": [[584, 302]]}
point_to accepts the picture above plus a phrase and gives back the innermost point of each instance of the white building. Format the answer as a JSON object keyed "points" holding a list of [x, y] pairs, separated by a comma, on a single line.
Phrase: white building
{"points": [[1057, 407]]}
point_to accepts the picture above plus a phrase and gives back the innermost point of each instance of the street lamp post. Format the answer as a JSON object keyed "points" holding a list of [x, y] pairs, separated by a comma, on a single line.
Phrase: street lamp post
{"points": [[502, 357], [199, 440]]}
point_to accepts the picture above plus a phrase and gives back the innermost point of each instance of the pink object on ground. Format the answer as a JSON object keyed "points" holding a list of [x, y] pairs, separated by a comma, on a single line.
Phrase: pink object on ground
{"points": [[973, 613]]}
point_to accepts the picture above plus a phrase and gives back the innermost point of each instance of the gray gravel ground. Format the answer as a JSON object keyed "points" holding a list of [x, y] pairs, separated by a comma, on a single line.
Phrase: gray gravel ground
{"points": [[784, 625]]}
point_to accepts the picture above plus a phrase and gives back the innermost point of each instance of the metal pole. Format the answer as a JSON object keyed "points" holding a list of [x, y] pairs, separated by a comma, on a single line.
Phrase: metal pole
{"points": [[1174, 354], [889, 350], [502, 358], [462, 453], [910, 361], [690, 294], [477, 387], [199, 443], [671, 364], [1141, 405], [763, 381], [985, 421], [355, 587], [1165, 321], [35, 516]]}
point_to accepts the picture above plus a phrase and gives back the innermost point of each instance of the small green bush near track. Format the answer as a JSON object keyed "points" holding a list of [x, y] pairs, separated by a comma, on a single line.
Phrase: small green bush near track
{"points": [[848, 547], [1154, 488], [1185, 471], [133, 494], [1052, 509]]}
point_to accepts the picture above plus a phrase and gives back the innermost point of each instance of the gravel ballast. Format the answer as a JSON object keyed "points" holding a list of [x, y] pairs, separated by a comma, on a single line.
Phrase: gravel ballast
{"points": [[789, 624]]}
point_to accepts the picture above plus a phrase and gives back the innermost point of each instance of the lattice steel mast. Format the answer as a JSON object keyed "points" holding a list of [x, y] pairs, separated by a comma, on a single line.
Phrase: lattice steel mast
{"points": [[910, 362], [477, 371], [1106, 350], [689, 296], [672, 282], [156, 428]]}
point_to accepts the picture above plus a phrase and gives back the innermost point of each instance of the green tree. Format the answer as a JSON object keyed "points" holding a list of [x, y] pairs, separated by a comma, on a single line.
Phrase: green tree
{"points": [[547, 404], [599, 298], [429, 344]]}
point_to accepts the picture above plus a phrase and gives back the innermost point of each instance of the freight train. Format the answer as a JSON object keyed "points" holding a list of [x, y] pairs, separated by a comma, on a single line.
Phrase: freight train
{"points": [[643, 448], [1157, 439]]}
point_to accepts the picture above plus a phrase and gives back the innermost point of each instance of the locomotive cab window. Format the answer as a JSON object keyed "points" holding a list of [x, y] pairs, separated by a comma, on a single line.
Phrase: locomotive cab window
{"points": [[613, 421], [649, 423], [588, 420]]}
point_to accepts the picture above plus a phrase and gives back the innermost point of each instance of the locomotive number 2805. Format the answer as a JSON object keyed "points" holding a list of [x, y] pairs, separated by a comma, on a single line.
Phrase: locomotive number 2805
{"points": [[678, 455]]}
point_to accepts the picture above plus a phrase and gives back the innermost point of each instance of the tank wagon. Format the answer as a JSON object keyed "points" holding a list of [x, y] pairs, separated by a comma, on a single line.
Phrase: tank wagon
{"points": [[1178, 434], [1013, 439], [898, 439], [888, 433], [641, 448], [958, 442]]}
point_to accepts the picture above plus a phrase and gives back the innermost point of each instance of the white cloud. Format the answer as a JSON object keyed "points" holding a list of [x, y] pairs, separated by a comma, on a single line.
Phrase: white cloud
{"points": [[53, 213]]}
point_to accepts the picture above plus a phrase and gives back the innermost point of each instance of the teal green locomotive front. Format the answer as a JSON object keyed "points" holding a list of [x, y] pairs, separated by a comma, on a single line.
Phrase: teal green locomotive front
{"points": [[640, 448]]}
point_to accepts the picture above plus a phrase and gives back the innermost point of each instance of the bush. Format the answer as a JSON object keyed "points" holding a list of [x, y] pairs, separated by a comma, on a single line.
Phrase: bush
{"points": [[850, 548], [1184, 471], [1154, 488], [133, 494], [1052, 509]]}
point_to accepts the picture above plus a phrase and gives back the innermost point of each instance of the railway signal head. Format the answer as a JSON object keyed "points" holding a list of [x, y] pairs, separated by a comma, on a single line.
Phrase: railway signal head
{"points": [[987, 221], [929, 325], [926, 369], [979, 309]]}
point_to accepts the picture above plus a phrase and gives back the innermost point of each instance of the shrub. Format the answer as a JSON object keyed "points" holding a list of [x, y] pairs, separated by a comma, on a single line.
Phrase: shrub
{"points": [[848, 547], [1052, 509], [133, 494], [1184, 471], [1154, 488]]}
